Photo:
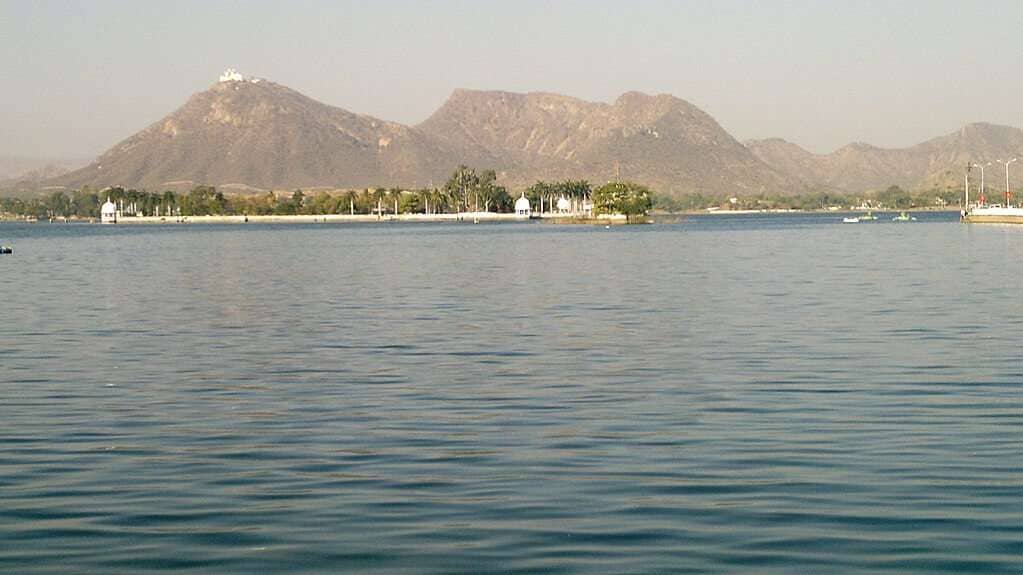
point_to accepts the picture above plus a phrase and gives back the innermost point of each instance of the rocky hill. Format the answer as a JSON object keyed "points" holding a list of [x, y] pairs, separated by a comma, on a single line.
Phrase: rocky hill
{"points": [[660, 140], [21, 175], [255, 134], [936, 163], [251, 134]]}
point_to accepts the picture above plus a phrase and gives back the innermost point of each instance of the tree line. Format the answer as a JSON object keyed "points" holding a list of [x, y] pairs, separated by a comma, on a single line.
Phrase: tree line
{"points": [[892, 197], [465, 191]]}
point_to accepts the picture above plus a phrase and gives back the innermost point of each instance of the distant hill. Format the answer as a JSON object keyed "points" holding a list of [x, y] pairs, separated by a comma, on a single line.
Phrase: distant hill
{"points": [[936, 163], [660, 140], [13, 167], [248, 134], [253, 134], [23, 174]]}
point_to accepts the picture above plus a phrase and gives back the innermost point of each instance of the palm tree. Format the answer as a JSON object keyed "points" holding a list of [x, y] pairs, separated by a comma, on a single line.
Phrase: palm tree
{"points": [[350, 195], [395, 194], [424, 196], [437, 197], [536, 194], [379, 194]]}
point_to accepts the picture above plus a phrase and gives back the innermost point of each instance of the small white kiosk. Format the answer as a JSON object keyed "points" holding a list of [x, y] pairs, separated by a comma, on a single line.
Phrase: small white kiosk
{"points": [[108, 213], [522, 207], [564, 206]]}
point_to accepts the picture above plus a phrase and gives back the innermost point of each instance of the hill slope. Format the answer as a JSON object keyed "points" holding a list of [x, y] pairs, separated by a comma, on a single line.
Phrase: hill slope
{"points": [[936, 163], [260, 134], [657, 140], [255, 134]]}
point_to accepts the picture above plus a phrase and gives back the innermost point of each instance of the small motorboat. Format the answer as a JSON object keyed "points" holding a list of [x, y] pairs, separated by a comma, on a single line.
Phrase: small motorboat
{"points": [[903, 217], [868, 217], [850, 220]]}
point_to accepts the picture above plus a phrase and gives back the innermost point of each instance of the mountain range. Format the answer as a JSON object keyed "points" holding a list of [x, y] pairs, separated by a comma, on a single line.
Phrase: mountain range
{"points": [[253, 134], [935, 164]]}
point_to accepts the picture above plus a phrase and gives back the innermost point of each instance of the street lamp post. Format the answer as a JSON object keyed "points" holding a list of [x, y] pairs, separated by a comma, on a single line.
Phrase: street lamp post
{"points": [[1007, 178], [981, 166], [966, 181]]}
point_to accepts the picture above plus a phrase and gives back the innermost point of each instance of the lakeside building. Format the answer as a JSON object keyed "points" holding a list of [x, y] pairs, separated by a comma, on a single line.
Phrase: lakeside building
{"points": [[564, 206], [522, 207], [108, 212]]}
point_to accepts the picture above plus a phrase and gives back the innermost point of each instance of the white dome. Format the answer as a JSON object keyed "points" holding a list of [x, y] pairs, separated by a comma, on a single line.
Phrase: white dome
{"points": [[108, 208], [522, 204], [564, 204]]}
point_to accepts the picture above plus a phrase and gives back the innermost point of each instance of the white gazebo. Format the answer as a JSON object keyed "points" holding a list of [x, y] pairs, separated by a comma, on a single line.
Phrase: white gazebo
{"points": [[108, 213], [564, 206], [522, 207]]}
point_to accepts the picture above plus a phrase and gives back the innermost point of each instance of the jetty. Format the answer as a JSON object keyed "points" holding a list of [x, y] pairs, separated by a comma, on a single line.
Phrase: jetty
{"points": [[993, 215]]}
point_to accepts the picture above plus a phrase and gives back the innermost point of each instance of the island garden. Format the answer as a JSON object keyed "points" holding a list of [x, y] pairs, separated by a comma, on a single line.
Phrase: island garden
{"points": [[466, 191]]}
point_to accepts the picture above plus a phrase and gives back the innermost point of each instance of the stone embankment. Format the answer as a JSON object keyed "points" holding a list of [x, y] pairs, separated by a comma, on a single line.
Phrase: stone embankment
{"points": [[358, 218]]}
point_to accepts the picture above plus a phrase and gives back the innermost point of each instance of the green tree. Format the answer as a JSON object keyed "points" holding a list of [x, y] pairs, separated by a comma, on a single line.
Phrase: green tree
{"points": [[463, 185], [58, 204], [395, 195], [488, 193], [350, 196], [627, 198], [411, 203], [378, 196], [85, 203], [895, 197], [169, 203], [539, 194]]}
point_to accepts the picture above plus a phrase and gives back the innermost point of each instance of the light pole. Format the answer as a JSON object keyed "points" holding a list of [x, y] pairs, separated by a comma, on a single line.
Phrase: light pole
{"points": [[1007, 179], [981, 166], [966, 187]]}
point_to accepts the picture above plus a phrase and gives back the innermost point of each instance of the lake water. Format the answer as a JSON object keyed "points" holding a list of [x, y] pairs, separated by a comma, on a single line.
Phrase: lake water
{"points": [[773, 394]]}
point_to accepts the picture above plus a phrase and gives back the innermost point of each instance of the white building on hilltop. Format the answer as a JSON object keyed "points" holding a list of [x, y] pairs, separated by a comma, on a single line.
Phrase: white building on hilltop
{"points": [[231, 75]]}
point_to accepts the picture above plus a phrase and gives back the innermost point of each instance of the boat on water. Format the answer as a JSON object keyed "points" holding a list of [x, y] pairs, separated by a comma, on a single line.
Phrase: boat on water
{"points": [[850, 220], [868, 217], [904, 217], [993, 215]]}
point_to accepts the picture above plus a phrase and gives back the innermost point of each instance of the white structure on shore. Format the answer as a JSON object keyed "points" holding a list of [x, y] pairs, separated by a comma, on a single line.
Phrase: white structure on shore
{"points": [[564, 206], [108, 212], [522, 207]]}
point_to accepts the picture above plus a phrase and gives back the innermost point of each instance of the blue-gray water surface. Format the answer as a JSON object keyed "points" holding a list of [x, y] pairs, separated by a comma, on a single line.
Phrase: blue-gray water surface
{"points": [[773, 394]]}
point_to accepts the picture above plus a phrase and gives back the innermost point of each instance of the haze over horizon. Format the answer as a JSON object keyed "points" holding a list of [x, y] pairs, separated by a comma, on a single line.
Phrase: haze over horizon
{"points": [[79, 78]]}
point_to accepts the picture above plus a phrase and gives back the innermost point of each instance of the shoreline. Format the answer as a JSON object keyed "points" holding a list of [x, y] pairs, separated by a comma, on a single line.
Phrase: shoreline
{"points": [[464, 217]]}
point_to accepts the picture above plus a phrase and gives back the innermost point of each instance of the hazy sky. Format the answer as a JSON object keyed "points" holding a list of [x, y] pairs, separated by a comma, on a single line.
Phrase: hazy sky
{"points": [[77, 76]]}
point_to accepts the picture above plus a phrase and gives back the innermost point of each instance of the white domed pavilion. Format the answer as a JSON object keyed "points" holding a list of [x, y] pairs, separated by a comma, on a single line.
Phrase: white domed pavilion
{"points": [[564, 206], [108, 212], [522, 207]]}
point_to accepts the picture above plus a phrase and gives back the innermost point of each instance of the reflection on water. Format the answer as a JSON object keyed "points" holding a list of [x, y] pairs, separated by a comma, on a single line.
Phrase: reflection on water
{"points": [[778, 394]]}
